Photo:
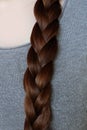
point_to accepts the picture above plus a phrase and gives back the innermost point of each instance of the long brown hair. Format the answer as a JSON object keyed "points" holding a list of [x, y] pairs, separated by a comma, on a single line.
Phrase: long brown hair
{"points": [[40, 58]]}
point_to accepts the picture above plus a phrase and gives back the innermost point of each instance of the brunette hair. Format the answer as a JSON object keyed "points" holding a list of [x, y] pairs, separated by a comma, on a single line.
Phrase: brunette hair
{"points": [[40, 58]]}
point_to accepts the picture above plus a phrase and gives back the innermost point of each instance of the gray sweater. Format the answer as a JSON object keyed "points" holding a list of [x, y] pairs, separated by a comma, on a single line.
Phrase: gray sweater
{"points": [[69, 97]]}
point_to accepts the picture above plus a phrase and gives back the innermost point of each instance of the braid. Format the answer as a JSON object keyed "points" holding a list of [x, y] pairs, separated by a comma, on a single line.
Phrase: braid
{"points": [[40, 57]]}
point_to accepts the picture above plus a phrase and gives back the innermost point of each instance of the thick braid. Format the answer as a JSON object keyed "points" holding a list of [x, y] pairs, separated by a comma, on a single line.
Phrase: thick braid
{"points": [[40, 57]]}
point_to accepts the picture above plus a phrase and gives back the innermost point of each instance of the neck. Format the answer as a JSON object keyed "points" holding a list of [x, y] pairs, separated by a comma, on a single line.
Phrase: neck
{"points": [[16, 22]]}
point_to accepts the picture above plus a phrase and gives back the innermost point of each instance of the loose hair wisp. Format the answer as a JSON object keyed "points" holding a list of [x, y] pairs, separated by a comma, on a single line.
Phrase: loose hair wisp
{"points": [[40, 58]]}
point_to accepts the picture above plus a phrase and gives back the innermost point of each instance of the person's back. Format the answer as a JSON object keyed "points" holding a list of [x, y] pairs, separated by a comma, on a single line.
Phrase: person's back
{"points": [[69, 95]]}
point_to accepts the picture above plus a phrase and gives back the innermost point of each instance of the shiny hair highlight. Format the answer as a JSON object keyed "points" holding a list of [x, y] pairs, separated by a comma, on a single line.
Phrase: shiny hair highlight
{"points": [[40, 59]]}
